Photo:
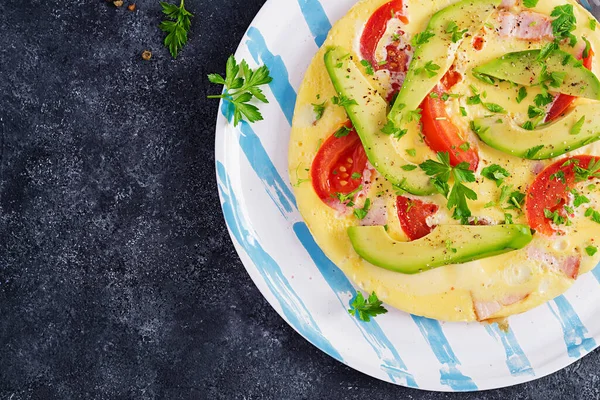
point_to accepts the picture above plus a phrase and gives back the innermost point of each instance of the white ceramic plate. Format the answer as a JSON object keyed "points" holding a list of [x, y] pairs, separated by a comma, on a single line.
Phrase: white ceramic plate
{"points": [[313, 295]]}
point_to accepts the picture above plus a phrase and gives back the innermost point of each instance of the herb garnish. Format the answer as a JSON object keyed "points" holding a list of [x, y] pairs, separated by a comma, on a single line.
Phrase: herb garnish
{"points": [[422, 38], [318, 109], [495, 173], [368, 67], [176, 26], [430, 69], [361, 213], [343, 101], [366, 309], [239, 90]]}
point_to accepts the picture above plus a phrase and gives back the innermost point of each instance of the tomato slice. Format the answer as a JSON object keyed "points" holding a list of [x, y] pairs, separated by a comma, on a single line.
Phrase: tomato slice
{"points": [[413, 215], [548, 192], [441, 135], [563, 101], [376, 27], [337, 160]]}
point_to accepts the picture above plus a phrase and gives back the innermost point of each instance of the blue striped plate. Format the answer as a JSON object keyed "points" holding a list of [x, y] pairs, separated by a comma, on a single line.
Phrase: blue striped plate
{"points": [[312, 294]]}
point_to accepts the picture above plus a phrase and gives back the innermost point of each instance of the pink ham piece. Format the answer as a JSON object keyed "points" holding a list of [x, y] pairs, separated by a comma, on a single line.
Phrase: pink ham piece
{"points": [[526, 25], [486, 309], [568, 265], [508, 3], [377, 214]]}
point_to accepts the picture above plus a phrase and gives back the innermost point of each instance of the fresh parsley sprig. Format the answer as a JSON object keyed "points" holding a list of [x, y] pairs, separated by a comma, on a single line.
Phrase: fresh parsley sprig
{"points": [[366, 309], [177, 26], [440, 173], [241, 85]]}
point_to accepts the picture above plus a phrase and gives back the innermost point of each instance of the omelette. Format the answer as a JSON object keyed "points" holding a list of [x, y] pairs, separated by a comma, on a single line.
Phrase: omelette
{"points": [[444, 153]]}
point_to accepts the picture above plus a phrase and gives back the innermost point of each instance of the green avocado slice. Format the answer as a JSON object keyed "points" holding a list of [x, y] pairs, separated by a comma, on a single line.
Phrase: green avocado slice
{"points": [[579, 127], [446, 244], [438, 51], [523, 68], [368, 116]]}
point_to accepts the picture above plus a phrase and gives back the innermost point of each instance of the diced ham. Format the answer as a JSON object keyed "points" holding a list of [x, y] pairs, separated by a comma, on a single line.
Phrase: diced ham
{"points": [[486, 309], [568, 265], [377, 214], [537, 167], [526, 25], [508, 3]]}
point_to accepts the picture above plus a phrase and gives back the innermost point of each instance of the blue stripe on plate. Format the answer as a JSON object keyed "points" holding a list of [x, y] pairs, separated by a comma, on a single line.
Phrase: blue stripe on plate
{"points": [[280, 86], [586, 4], [293, 307], [371, 331], [316, 19], [516, 360], [450, 375], [574, 331], [257, 156]]}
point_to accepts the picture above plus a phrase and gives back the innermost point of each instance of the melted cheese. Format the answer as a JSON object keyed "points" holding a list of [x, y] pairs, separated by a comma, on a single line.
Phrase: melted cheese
{"points": [[445, 293]]}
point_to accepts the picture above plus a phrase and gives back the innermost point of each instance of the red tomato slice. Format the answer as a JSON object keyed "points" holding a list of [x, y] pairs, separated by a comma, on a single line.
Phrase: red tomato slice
{"points": [[563, 101], [335, 163], [413, 216], [548, 192], [441, 135], [374, 30]]}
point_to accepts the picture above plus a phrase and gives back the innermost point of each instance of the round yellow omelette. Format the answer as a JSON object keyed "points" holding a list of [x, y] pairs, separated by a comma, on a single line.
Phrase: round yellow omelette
{"points": [[488, 288]]}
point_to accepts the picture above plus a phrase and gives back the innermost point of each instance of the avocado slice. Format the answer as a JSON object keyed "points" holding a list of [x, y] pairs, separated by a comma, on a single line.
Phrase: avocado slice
{"points": [[446, 244], [578, 128], [523, 68], [439, 50], [368, 116]]}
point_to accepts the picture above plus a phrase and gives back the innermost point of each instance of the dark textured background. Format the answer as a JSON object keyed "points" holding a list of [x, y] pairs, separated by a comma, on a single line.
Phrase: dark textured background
{"points": [[117, 277]]}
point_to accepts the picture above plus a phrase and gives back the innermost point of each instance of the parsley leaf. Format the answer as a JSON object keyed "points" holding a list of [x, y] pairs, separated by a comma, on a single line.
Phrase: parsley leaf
{"points": [[176, 26], [591, 250], [593, 214], [559, 176], [508, 218], [318, 109], [343, 101], [411, 152], [356, 175], [593, 23], [366, 309], [409, 167], [414, 115], [456, 34], [522, 94], [484, 78], [368, 67], [241, 84], [576, 128], [463, 111], [343, 131], [300, 181], [516, 200], [347, 199], [579, 199], [592, 171], [390, 129], [530, 153], [361, 213], [430, 69], [472, 100], [534, 111], [495, 173], [554, 216], [495, 108], [465, 146], [541, 100], [564, 23], [422, 38]]}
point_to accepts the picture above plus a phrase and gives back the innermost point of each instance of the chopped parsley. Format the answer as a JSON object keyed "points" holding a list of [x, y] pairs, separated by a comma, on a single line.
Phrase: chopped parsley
{"points": [[465, 146], [516, 200], [368, 67], [343, 101], [472, 100], [361, 213], [530, 3], [343, 131], [522, 94], [476, 128], [430, 69], [564, 23], [555, 217], [347, 199], [463, 111], [534, 111], [409, 167], [495, 173], [484, 78], [366, 309], [414, 115], [559, 176], [593, 23], [530, 153], [576, 128], [579, 199], [318, 109], [541, 99], [411, 152], [356, 175], [440, 173], [457, 34], [591, 250], [422, 38], [508, 218], [593, 214], [300, 181], [390, 129], [495, 108]]}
